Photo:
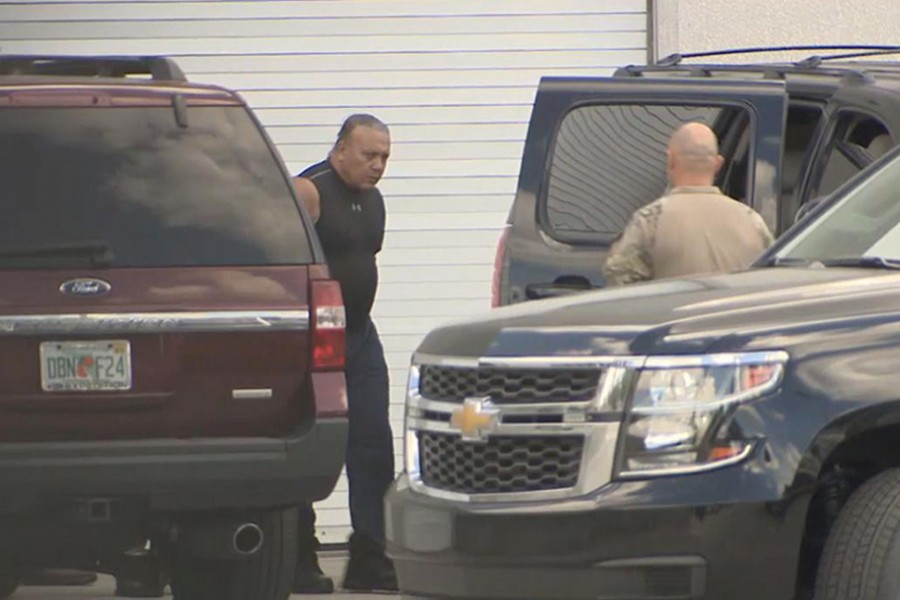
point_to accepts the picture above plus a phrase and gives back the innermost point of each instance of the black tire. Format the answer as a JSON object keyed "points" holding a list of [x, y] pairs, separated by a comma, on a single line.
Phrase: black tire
{"points": [[861, 560], [268, 574]]}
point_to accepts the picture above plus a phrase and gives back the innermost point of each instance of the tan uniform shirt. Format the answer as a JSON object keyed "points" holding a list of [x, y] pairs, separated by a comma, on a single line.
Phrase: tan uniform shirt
{"points": [[692, 231]]}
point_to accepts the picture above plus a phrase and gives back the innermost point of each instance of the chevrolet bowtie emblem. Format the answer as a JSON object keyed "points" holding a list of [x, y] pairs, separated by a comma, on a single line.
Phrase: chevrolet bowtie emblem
{"points": [[475, 419]]}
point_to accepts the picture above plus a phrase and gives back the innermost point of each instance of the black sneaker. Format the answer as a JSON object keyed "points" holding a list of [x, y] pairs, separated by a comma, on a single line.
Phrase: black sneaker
{"points": [[309, 578], [140, 574], [311, 582], [370, 573]]}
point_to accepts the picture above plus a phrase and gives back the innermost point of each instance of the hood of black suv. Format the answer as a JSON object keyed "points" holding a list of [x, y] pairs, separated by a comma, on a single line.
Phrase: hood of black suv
{"points": [[757, 309]]}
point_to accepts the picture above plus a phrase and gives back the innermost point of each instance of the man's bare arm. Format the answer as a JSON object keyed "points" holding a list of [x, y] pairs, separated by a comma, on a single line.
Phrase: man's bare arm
{"points": [[308, 195]]}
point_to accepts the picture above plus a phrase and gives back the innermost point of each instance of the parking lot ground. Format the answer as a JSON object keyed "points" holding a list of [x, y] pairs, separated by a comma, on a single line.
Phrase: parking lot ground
{"points": [[332, 562]]}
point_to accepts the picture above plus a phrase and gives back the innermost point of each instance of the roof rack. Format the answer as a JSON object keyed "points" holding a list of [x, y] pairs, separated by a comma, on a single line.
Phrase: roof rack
{"points": [[864, 50], [766, 71], [812, 65], [853, 55], [158, 67]]}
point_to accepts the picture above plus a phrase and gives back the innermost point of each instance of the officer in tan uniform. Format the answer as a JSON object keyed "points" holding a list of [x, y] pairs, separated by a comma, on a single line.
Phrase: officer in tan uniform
{"points": [[695, 228]]}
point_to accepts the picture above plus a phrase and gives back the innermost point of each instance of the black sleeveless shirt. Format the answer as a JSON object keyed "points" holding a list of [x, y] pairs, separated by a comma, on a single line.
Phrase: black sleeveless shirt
{"points": [[351, 230]]}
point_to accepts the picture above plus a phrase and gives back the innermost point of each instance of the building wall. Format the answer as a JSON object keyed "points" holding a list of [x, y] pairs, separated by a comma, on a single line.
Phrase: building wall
{"points": [[454, 79], [698, 25]]}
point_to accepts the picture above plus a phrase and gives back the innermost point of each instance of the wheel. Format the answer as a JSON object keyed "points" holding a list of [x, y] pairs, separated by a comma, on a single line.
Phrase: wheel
{"points": [[267, 574], [861, 560], [9, 581]]}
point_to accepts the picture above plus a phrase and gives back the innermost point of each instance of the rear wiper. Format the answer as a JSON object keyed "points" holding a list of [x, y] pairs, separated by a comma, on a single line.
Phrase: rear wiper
{"points": [[99, 254], [864, 262]]}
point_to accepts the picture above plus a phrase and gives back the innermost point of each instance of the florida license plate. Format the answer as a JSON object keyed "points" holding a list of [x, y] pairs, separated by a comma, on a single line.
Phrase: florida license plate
{"points": [[85, 366]]}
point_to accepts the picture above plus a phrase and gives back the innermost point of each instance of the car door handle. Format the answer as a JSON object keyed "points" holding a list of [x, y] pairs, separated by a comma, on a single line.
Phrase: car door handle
{"points": [[561, 287]]}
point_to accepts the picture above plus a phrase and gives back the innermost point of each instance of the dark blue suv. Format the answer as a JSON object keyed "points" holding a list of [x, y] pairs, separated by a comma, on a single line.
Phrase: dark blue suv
{"points": [[790, 134]]}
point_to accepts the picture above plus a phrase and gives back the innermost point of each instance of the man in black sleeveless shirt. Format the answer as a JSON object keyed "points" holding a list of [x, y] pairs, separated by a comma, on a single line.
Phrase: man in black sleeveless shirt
{"points": [[340, 195]]}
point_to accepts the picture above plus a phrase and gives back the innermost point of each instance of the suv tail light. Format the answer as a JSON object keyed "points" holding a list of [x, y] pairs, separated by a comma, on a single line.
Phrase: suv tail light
{"points": [[328, 326], [500, 281]]}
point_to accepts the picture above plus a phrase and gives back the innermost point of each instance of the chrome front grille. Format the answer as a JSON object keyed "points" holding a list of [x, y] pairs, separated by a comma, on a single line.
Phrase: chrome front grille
{"points": [[512, 430], [507, 385], [504, 464]]}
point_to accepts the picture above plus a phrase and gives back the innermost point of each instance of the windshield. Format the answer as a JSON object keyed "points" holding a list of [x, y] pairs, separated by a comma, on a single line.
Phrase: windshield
{"points": [[863, 224], [133, 187]]}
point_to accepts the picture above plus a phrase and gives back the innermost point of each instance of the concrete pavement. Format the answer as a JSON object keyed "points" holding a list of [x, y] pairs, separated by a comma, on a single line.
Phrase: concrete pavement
{"points": [[332, 563]]}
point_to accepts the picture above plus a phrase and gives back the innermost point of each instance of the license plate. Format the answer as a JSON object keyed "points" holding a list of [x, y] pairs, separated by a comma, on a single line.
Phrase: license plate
{"points": [[85, 366]]}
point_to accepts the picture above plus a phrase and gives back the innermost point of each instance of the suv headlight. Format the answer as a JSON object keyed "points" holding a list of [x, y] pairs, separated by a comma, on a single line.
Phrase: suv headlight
{"points": [[680, 415]]}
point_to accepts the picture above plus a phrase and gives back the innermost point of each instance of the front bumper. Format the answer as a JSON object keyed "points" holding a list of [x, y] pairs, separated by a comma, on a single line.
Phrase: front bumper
{"points": [[175, 474], [713, 535]]}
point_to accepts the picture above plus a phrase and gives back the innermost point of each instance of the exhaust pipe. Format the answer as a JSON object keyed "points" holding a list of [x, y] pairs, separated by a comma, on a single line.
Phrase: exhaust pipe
{"points": [[220, 538], [247, 539]]}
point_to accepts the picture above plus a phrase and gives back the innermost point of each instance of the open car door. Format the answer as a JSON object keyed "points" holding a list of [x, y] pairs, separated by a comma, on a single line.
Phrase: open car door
{"points": [[596, 152]]}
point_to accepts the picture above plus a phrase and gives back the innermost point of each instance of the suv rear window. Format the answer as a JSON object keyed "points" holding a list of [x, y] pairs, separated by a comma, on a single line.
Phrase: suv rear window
{"points": [[610, 160], [151, 191]]}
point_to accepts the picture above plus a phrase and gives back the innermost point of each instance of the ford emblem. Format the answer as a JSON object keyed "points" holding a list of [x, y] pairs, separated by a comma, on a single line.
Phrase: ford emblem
{"points": [[85, 287]]}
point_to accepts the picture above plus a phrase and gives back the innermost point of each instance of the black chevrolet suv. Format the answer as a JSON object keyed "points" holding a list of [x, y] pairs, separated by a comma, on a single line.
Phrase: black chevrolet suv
{"points": [[171, 382], [729, 437], [790, 134]]}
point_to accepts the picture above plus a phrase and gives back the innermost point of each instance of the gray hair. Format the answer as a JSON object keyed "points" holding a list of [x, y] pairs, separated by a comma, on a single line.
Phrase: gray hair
{"points": [[359, 120]]}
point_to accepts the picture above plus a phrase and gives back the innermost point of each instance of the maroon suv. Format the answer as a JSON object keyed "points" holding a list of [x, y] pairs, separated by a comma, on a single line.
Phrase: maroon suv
{"points": [[171, 345]]}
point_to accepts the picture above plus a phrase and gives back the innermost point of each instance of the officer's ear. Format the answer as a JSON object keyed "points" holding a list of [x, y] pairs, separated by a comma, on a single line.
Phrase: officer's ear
{"points": [[720, 160]]}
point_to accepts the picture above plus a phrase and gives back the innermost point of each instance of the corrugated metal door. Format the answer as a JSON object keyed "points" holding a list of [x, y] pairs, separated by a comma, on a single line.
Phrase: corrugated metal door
{"points": [[454, 79]]}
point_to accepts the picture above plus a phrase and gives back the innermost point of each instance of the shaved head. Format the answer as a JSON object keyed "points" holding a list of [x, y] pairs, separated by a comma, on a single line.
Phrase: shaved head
{"points": [[693, 155]]}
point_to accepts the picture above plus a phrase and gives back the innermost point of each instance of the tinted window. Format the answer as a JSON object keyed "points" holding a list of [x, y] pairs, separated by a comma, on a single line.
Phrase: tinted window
{"points": [[858, 141], [610, 160], [866, 222], [211, 193]]}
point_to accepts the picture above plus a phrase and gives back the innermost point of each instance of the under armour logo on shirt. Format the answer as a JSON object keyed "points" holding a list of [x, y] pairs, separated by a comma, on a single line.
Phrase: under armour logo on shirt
{"points": [[356, 207]]}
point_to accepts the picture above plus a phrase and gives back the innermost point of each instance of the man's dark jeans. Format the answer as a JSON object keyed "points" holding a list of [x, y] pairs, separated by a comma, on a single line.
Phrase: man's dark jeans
{"points": [[370, 444]]}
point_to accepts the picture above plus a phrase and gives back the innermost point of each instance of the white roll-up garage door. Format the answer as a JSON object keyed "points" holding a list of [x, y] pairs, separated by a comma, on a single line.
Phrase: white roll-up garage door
{"points": [[454, 79]]}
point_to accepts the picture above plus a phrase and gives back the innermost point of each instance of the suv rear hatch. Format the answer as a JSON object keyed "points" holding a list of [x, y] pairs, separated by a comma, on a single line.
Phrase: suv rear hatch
{"points": [[155, 268]]}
